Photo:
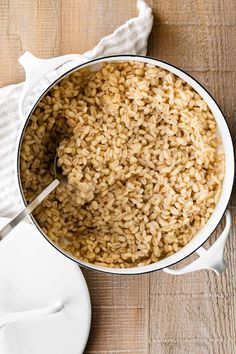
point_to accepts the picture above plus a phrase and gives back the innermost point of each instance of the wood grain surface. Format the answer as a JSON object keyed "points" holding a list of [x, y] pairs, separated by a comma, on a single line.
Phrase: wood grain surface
{"points": [[154, 313]]}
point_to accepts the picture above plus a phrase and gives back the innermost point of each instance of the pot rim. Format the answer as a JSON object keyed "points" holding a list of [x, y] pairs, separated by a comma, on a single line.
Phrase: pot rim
{"points": [[177, 257]]}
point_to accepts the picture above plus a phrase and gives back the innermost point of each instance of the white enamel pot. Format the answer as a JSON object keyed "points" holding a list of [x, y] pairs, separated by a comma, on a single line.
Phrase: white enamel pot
{"points": [[42, 74]]}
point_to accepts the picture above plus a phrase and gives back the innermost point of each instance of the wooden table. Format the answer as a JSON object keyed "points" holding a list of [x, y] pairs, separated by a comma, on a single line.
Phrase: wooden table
{"points": [[154, 313]]}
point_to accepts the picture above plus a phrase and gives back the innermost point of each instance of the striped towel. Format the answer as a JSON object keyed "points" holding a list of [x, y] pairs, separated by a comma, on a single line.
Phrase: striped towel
{"points": [[130, 38]]}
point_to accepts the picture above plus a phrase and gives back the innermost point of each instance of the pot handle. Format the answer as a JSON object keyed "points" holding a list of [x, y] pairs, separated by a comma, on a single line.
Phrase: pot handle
{"points": [[212, 258], [44, 72]]}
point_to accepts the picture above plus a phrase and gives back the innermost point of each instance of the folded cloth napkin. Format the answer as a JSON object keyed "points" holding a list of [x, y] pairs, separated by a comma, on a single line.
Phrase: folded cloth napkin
{"points": [[130, 38]]}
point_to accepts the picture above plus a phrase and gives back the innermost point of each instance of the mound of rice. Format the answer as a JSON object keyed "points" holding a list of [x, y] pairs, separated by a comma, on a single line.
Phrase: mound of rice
{"points": [[139, 148]]}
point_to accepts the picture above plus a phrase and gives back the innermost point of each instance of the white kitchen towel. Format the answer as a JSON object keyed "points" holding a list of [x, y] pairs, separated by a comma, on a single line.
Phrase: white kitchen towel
{"points": [[130, 38]]}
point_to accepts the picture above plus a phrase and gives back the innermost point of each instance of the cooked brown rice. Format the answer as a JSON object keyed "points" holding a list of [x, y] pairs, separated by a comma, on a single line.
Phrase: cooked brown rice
{"points": [[139, 148]]}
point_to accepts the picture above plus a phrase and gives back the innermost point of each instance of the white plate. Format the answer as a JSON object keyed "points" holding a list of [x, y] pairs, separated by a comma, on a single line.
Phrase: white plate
{"points": [[34, 275]]}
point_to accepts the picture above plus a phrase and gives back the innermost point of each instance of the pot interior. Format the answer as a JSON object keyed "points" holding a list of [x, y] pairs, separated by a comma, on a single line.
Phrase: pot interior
{"points": [[222, 130]]}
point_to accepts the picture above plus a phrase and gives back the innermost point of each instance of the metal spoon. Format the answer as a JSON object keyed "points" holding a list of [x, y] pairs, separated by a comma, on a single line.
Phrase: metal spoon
{"points": [[36, 201]]}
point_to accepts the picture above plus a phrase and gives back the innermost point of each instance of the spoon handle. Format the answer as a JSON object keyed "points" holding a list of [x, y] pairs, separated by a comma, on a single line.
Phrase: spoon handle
{"points": [[35, 202]]}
